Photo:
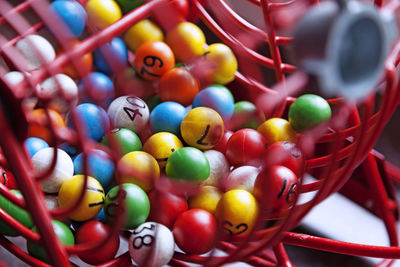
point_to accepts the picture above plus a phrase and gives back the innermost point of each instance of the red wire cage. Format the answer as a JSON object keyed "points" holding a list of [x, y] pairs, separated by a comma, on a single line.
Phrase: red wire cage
{"points": [[334, 150]]}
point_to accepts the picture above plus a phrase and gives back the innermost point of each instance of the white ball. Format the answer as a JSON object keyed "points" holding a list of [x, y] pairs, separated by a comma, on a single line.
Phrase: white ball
{"points": [[13, 79], [128, 112], [243, 177], [63, 170], [151, 244], [51, 202], [219, 167], [36, 50]]}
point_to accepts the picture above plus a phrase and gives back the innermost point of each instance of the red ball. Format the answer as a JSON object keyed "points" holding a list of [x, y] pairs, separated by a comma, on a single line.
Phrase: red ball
{"points": [[195, 231], [245, 147], [221, 145], [166, 207], [7, 179], [276, 188], [286, 154], [175, 12], [95, 231]]}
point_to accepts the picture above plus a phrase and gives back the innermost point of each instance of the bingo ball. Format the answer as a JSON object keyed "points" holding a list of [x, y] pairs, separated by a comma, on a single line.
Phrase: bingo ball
{"points": [[153, 59], [16, 79], [97, 232], [125, 140], [102, 13], [245, 115], [219, 167], [100, 166], [19, 214], [245, 147], [189, 164], [143, 31], [242, 177], [221, 145], [33, 145], [93, 197], [7, 179], [207, 199], [195, 231], [138, 168], [96, 87], [202, 128], [217, 97], [237, 212], [36, 50], [276, 188], [51, 202], [161, 146], [129, 5], [111, 57], [64, 235], [72, 14], [276, 130], [63, 169], [167, 117], [151, 244], [308, 111], [128, 112], [135, 203], [79, 67], [40, 125]]}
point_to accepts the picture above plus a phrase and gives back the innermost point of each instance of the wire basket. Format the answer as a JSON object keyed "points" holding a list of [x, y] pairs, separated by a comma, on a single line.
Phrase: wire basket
{"points": [[333, 150]]}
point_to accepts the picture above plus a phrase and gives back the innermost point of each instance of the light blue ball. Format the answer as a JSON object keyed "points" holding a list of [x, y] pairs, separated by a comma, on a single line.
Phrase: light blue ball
{"points": [[34, 144], [101, 86], [167, 117], [73, 14], [116, 51]]}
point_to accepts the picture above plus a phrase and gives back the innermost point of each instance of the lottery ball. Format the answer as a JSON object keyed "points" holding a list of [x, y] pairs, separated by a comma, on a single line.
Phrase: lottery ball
{"points": [[151, 244], [167, 117], [93, 198], [308, 111], [219, 167], [100, 166], [16, 79], [206, 199], [245, 147], [141, 169], [186, 40], [195, 231], [276, 188], [143, 31], [245, 115], [64, 235], [96, 87], [173, 13], [242, 177], [72, 14], [39, 126], [111, 57], [7, 179], [153, 59], [217, 97], [202, 128], [221, 145], [128, 112], [136, 205], [36, 50], [129, 5], [189, 164], [81, 66], [178, 85], [165, 207], [102, 13], [125, 140], [277, 129], [21, 215], [161, 146], [51, 202], [33, 145], [93, 120], [63, 170], [95, 231], [237, 211]]}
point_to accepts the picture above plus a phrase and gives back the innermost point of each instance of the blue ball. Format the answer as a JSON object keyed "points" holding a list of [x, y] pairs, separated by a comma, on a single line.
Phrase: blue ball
{"points": [[101, 216], [73, 14], [102, 89], [100, 166], [34, 144], [116, 51], [217, 97], [91, 120], [167, 117]]}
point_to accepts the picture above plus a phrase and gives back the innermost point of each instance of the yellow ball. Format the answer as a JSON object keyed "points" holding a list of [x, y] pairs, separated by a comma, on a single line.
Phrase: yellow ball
{"points": [[207, 199], [102, 13], [92, 202], [202, 128], [276, 130], [187, 41], [144, 169], [222, 63], [141, 32], [161, 145], [237, 211]]}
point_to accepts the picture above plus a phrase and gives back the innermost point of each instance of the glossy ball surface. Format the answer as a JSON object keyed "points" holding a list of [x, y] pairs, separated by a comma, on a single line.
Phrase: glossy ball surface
{"points": [[143, 31], [111, 57], [72, 14], [221, 145], [167, 117], [219, 167], [242, 177], [36, 50], [81, 67], [277, 129], [97, 88], [37, 129], [16, 212], [33, 145], [207, 199], [102, 13], [7, 179], [125, 140], [245, 115], [129, 5]]}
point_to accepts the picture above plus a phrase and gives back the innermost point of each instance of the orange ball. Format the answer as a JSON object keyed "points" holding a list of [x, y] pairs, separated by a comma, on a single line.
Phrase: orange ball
{"points": [[153, 59], [84, 64], [178, 85], [39, 125]]}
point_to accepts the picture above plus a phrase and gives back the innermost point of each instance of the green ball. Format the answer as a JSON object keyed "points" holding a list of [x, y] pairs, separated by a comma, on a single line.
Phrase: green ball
{"points": [[63, 233], [127, 140], [188, 163], [136, 205], [129, 5], [245, 115], [308, 111], [16, 212]]}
